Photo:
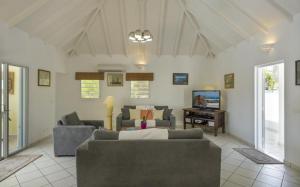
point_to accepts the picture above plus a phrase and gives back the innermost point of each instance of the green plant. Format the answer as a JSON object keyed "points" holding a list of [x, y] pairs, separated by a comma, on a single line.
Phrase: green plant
{"points": [[270, 81]]}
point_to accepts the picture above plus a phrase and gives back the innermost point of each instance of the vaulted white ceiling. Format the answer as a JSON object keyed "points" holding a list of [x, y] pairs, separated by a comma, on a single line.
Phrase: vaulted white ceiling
{"points": [[179, 27]]}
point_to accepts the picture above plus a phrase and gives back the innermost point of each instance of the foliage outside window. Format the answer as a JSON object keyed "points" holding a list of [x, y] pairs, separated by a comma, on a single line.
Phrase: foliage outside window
{"points": [[90, 89], [271, 81], [140, 89]]}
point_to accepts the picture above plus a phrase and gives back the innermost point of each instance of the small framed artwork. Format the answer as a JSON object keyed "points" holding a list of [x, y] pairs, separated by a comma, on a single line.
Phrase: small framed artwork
{"points": [[297, 72], [44, 77], [180, 78], [114, 79], [229, 81]]}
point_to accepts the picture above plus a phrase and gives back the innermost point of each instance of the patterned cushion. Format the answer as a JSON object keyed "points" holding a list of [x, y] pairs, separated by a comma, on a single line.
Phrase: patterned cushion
{"points": [[148, 114], [167, 114]]}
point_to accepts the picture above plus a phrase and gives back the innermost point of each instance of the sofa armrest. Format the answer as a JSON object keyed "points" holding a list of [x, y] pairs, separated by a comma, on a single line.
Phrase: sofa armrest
{"points": [[119, 122], [68, 137], [96, 123], [172, 121]]}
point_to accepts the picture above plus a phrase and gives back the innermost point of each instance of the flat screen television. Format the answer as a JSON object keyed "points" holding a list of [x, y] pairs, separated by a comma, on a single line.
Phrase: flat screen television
{"points": [[207, 99]]}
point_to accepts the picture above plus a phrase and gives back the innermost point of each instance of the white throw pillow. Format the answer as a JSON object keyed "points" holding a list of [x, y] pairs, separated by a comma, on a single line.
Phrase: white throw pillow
{"points": [[134, 114], [158, 114]]}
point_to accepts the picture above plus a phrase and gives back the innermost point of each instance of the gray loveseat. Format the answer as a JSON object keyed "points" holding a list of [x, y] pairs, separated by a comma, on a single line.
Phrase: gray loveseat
{"points": [[70, 132], [181, 161], [123, 119]]}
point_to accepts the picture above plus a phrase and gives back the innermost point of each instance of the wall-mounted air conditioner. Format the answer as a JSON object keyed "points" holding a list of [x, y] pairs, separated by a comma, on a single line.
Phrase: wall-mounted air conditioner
{"points": [[112, 68]]}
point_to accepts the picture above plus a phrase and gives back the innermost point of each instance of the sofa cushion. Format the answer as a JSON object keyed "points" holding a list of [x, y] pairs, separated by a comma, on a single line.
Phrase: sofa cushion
{"points": [[186, 134], [161, 107], [125, 113], [158, 114], [162, 123], [71, 119], [167, 114], [135, 114], [128, 123], [129, 106], [103, 134]]}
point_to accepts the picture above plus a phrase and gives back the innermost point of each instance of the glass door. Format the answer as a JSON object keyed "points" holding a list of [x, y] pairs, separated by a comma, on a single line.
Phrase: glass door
{"points": [[13, 108], [270, 109]]}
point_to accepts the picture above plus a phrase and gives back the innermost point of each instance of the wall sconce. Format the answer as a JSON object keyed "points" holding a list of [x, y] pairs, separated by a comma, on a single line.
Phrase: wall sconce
{"points": [[268, 48]]}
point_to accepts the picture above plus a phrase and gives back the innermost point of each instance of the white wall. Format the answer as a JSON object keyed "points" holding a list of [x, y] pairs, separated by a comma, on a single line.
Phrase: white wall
{"points": [[239, 102], [17, 47], [163, 92]]}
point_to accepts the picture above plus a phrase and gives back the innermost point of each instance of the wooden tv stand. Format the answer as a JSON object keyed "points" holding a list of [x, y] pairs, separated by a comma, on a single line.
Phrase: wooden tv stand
{"points": [[215, 116]]}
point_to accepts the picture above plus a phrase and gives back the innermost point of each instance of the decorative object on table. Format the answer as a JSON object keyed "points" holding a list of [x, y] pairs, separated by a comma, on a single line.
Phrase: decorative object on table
{"points": [[109, 104], [145, 116], [114, 79], [14, 163], [180, 78], [297, 72], [44, 77], [11, 83], [229, 80]]}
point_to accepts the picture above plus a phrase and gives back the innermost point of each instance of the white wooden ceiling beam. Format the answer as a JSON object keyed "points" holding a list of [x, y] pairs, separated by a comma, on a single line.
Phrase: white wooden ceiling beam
{"points": [[21, 16], [178, 33], [160, 37], [106, 32], [282, 10], [196, 28], [194, 44], [229, 22], [53, 38], [70, 37], [54, 17], [91, 45], [124, 26], [259, 25], [88, 25]]}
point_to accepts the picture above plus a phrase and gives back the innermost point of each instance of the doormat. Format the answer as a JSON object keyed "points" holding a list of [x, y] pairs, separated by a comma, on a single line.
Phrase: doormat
{"points": [[257, 156]]}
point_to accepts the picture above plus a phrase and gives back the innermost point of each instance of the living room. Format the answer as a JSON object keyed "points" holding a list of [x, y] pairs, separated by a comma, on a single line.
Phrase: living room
{"points": [[190, 47]]}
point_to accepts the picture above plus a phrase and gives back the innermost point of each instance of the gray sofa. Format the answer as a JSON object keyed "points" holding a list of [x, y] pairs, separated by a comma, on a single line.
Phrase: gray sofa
{"points": [[70, 132], [123, 119], [177, 162]]}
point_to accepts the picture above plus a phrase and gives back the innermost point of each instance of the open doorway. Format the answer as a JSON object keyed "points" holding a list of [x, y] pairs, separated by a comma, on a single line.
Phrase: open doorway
{"points": [[269, 109]]}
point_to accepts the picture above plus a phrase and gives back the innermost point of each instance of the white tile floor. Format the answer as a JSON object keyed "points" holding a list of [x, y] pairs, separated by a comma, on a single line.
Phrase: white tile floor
{"points": [[236, 169]]}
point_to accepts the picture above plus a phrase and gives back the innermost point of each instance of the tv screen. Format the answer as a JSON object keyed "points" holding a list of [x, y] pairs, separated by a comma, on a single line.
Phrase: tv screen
{"points": [[209, 99]]}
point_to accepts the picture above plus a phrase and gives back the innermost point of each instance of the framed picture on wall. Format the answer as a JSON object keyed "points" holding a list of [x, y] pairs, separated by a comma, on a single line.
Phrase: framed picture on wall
{"points": [[114, 79], [297, 72], [44, 78], [229, 81], [180, 78]]}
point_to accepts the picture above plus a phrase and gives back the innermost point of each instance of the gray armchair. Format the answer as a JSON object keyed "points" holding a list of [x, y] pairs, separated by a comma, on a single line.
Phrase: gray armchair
{"points": [[70, 132], [123, 120]]}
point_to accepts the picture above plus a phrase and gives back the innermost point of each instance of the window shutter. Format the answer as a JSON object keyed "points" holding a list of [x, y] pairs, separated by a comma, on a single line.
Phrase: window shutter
{"points": [[89, 76], [139, 76]]}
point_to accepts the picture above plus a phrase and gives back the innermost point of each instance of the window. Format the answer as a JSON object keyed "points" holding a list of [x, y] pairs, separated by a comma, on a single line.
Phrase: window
{"points": [[140, 89], [90, 89]]}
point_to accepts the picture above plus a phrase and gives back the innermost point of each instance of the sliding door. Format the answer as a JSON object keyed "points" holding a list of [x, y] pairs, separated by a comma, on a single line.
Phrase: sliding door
{"points": [[13, 108]]}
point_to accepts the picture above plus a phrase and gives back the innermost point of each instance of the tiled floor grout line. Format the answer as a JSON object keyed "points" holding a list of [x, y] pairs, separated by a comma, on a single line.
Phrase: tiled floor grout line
{"points": [[44, 176], [17, 180], [257, 174]]}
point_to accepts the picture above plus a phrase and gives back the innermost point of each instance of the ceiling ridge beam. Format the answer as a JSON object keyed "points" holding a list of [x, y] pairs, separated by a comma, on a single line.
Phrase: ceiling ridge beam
{"points": [[26, 13], [71, 23], [106, 32], [260, 26], [161, 29], [178, 33], [88, 25], [124, 26], [282, 10], [229, 22], [197, 29]]}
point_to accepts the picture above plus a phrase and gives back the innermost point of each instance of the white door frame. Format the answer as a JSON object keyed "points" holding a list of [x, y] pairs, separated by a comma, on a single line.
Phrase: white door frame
{"points": [[257, 132]]}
